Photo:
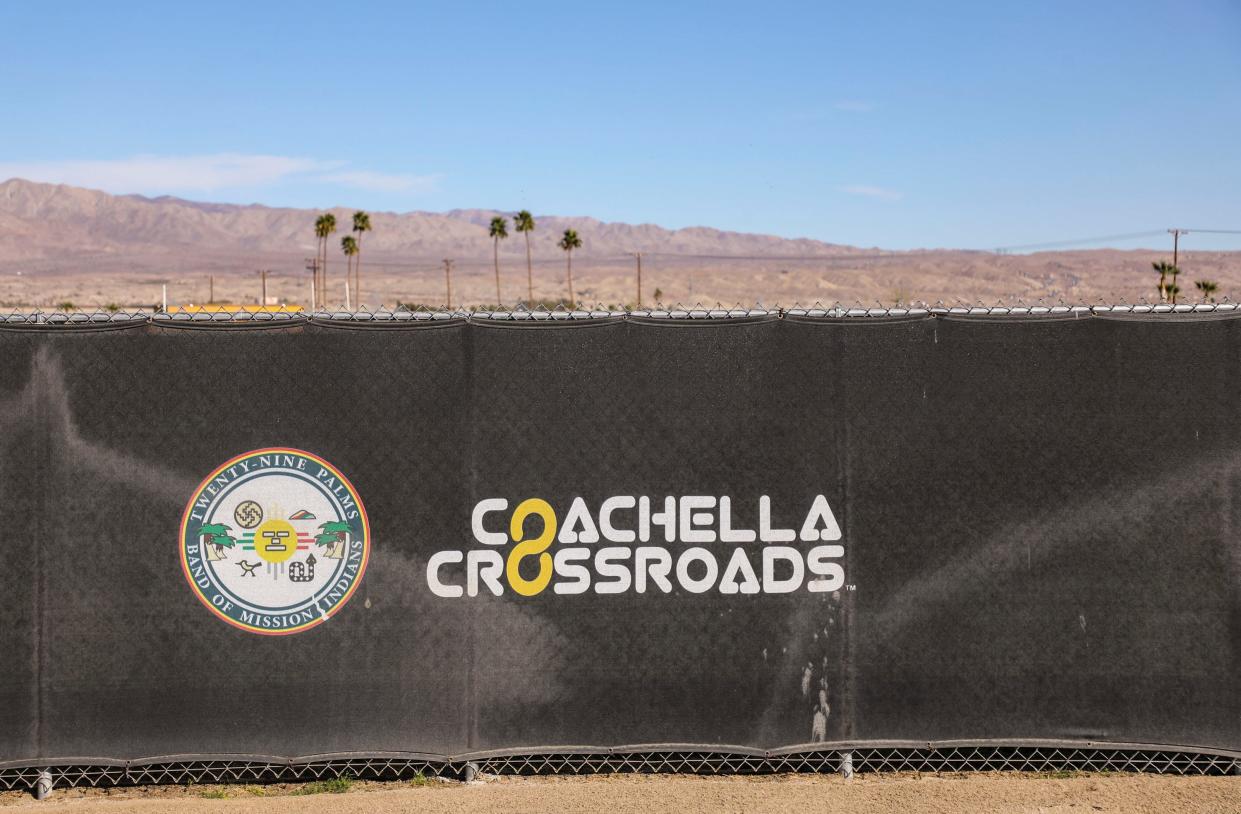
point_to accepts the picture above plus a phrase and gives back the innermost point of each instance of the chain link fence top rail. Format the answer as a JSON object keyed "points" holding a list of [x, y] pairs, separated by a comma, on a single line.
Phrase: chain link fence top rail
{"points": [[287, 316]]}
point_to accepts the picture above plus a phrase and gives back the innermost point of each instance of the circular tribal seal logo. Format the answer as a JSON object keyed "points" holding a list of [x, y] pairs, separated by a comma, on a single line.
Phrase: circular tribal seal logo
{"points": [[275, 541]]}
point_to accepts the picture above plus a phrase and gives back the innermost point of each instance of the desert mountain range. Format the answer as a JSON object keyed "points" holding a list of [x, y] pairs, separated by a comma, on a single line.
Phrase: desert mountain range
{"points": [[66, 244]]}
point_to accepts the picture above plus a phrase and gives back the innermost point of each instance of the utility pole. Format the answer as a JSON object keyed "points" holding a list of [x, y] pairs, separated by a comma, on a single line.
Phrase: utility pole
{"points": [[1176, 239], [639, 256], [263, 280], [210, 288], [448, 280]]}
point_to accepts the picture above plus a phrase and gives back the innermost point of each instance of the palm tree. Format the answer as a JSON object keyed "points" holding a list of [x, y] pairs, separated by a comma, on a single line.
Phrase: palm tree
{"points": [[1208, 289], [523, 222], [1164, 268], [325, 225], [350, 248], [498, 232], [333, 536], [361, 223], [1174, 289], [320, 242], [216, 535], [569, 242]]}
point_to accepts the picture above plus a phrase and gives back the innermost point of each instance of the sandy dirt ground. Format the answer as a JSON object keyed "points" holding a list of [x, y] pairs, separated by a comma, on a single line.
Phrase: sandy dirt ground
{"points": [[630, 793]]}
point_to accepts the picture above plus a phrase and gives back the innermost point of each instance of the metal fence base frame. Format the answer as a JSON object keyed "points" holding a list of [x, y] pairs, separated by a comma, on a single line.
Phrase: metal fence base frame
{"points": [[569, 761]]}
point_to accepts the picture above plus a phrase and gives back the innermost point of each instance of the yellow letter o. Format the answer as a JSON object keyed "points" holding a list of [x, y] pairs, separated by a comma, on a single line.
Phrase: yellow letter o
{"points": [[538, 546]]}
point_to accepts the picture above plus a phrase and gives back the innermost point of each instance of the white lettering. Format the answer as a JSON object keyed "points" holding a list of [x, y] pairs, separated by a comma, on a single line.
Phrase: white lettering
{"points": [[690, 519], [774, 585], [765, 532], [728, 534], [485, 566], [481, 510], [692, 555], [739, 565], [437, 561], [655, 561], [578, 515], [607, 566], [565, 564], [610, 532], [820, 512], [819, 561]]}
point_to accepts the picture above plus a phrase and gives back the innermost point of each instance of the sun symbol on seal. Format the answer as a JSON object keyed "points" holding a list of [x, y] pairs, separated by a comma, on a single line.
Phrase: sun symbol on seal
{"points": [[248, 514]]}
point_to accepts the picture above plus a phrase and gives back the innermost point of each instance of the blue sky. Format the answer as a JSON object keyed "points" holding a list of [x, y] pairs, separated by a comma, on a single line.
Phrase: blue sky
{"points": [[970, 124]]}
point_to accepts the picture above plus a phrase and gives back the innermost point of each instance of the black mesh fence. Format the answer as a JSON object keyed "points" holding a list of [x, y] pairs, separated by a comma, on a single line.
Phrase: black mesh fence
{"points": [[1020, 522]]}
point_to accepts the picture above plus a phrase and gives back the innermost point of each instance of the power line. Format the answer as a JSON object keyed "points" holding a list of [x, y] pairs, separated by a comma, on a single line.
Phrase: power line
{"points": [[793, 257], [1056, 244]]}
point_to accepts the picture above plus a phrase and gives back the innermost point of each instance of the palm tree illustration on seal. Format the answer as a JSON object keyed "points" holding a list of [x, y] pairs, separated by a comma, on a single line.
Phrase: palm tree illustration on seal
{"points": [[216, 537], [333, 536]]}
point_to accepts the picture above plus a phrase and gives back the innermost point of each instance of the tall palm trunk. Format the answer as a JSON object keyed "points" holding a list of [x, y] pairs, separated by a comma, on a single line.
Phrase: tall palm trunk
{"points": [[320, 274], [572, 301], [495, 247], [529, 272], [349, 281], [357, 273], [323, 276]]}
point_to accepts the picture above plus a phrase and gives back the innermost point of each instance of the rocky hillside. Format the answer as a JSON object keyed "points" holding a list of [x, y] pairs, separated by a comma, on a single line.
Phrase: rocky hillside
{"points": [[60, 243]]}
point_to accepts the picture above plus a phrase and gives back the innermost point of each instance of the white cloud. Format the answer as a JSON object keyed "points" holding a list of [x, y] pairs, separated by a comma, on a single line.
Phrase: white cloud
{"points": [[150, 173], [383, 182], [154, 174], [854, 106], [878, 193]]}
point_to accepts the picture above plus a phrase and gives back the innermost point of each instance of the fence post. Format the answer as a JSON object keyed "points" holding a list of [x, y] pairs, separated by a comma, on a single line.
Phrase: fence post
{"points": [[846, 764], [43, 785]]}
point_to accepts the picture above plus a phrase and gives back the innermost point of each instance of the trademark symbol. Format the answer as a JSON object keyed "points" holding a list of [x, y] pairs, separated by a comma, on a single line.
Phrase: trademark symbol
{"points": [[850, 587]]}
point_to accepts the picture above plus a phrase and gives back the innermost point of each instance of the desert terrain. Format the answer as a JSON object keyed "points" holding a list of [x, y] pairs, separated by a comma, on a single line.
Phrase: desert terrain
{"points": [[61, 244], [618, 794]]}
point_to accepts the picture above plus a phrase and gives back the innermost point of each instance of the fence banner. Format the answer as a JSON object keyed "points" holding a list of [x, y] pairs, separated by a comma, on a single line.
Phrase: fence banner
{"points": [[752, 532]]}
